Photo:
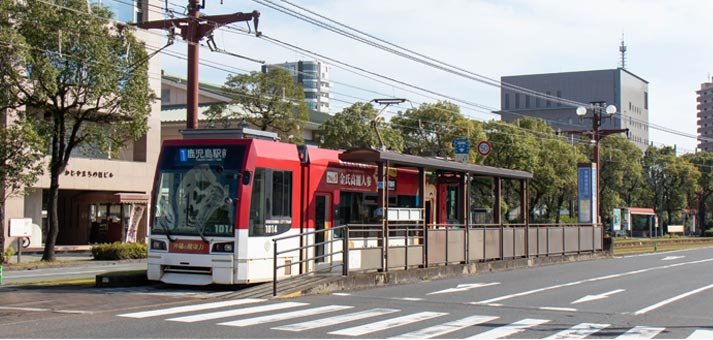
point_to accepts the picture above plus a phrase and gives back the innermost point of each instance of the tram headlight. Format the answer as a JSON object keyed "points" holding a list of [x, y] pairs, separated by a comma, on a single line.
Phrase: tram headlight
{"points": [[158, 245], [223, 247]]}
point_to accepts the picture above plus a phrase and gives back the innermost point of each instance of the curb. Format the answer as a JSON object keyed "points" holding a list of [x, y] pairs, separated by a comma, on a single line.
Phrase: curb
{"points": [[122, 279], [379, 279]]}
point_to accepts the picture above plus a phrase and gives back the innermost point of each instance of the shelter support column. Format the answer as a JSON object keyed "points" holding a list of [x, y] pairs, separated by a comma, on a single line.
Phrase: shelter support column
{"points": [[422, 206], [525, 214], [497, 182], [465, 196]]}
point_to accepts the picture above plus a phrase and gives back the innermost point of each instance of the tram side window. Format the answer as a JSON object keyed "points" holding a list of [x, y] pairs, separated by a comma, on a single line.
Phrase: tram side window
{"points": [[271, 202]]}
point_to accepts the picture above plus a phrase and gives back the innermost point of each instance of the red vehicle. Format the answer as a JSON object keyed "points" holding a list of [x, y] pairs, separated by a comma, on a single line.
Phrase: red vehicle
{"points": [[219, 200]]}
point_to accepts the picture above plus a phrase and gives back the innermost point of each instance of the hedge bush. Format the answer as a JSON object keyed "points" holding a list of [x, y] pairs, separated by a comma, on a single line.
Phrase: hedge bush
{"points": [[119, 251], [708, 233], [7, 254]]}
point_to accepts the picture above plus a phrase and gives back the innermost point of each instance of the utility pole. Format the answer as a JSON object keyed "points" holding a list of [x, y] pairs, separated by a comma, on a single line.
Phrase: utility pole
{"points": [[194, 28], [597, 135]]}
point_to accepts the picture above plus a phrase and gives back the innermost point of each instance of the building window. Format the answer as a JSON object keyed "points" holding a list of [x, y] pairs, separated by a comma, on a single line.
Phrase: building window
{"points": [[537, 102], [527, 101], [517, 100], [559, 95], [507, 101], [166, 96], [646, 100], [549, 103]]}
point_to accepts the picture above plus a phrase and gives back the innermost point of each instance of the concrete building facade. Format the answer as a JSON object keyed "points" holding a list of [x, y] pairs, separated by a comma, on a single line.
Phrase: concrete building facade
{"points": [[314, 78], [102, 198], [627, 91], [705, 116]]}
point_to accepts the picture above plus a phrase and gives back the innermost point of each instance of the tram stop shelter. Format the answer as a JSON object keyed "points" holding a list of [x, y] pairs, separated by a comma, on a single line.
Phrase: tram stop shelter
{"points": [[447, 232]]}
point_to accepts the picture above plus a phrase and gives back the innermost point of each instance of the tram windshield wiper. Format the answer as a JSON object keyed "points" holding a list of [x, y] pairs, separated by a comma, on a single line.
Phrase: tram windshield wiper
{"points": [[166, 230]]}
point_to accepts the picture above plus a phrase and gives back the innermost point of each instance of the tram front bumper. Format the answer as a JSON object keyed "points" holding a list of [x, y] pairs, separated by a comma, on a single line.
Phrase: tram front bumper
{"points": [[191, 269]]}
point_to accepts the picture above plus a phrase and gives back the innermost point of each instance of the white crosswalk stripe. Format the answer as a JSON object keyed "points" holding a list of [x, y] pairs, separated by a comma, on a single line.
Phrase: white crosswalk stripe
{"points": [[336, 320], [386, 324], [446, 328], [508, 330], [335, 315], [580, 331], [285, 316], [236, 312], [701, 334], [641, 332], [191, 308]]}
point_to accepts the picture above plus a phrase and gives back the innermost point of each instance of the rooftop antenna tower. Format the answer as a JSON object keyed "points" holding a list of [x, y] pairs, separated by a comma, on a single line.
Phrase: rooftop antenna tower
{"points": [[622, 50]]}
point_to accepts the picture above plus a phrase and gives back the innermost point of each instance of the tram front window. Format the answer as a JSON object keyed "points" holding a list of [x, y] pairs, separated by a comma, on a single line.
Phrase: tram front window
{"points": [[195, 197]]}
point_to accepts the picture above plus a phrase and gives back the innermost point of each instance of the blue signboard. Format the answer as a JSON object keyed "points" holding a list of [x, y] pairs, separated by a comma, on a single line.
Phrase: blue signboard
{"points": [[584, 182], [461, 145], [586, 189]]}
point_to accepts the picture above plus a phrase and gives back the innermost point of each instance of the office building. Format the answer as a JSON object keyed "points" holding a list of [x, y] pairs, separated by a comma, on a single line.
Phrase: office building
{"points": [[314, 78], [102, 198], [705, 116], [627, 91]]}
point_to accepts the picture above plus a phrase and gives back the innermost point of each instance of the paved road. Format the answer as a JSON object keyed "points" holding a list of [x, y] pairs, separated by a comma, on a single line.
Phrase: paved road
{"points": [[664, 295]]}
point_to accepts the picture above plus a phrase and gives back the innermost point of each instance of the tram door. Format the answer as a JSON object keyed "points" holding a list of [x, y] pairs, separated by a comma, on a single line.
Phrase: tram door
{"points": [[321, 222]]}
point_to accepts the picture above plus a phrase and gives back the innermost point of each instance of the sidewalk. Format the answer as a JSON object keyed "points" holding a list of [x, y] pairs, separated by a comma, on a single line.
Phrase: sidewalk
{"points": [[30, 260]]}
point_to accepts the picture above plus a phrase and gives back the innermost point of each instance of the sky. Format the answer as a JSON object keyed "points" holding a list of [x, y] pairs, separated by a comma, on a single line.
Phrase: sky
{"points": [[668, 45]]}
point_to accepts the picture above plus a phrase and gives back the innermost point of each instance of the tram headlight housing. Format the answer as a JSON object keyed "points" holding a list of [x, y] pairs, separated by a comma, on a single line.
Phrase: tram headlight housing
{"points": [[228, 247], [158, 245]]}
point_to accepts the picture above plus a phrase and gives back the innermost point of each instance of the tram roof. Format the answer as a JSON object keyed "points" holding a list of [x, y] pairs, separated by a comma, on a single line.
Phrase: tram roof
{"points": [[365, 155]]}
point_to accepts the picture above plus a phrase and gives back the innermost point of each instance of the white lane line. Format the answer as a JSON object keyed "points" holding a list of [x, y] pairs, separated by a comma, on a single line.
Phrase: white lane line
{"points": [[341, 294], [409, 299], [669, 258], [335, 320], [191, 308], [285, 316], [673, 299], [236, 312], [31, 309], [701, 334], [559, 309], [448, 327], [641, 332], [580, 331], [594, 279], [508, 330], [386, 324]]}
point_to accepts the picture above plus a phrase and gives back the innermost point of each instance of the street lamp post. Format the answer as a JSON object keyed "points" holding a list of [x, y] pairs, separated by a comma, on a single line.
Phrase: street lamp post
{"points": [[598, 134]]}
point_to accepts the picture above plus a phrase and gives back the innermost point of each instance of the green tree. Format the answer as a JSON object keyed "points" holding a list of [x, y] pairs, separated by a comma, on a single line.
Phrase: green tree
{"points": [[621, 180], [674, 181], [429, 130], [351, 128], [704, 162], [21, 153], [88, 85], [269, 101]]}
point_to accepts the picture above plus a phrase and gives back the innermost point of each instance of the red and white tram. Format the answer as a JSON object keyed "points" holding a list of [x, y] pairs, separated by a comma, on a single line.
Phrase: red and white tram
{"points": [[219, 201]]}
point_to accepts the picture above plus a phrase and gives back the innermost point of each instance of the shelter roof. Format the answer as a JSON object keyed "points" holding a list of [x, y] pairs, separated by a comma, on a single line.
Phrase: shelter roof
{"points": [[365, 155]]}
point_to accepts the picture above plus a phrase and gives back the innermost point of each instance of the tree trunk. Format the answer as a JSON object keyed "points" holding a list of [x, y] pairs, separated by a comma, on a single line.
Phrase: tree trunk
{"points": [[2, 228], [702, 214], [52, 218]]}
